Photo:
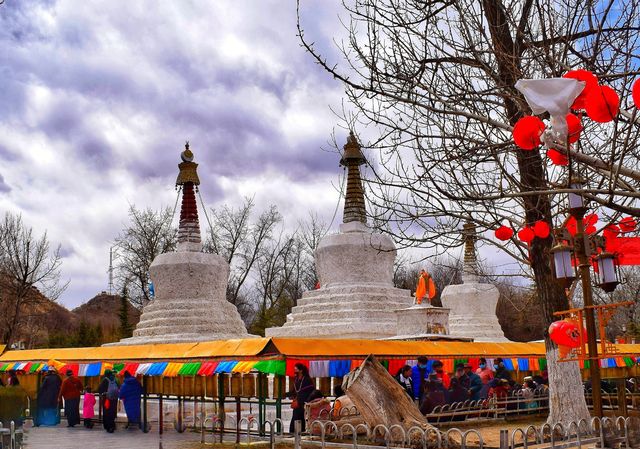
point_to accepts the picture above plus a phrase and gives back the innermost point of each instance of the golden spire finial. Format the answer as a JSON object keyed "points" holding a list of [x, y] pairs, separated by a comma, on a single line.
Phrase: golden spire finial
{"points": [[188, 168], [354, 205]]}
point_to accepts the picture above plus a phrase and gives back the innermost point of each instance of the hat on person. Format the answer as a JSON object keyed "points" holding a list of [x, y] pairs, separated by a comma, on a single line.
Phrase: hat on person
{"points": [[504, 381], [528, 378], [468, 365], [459, 366]]}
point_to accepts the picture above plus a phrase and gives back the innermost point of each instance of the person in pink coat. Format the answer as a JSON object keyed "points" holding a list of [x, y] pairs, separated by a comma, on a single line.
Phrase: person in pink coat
{"points": [[88, 404]]}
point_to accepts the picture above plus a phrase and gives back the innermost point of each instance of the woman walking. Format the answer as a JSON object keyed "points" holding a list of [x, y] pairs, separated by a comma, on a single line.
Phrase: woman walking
{"points": [[109, 391], [302, 388], [47, 413]]}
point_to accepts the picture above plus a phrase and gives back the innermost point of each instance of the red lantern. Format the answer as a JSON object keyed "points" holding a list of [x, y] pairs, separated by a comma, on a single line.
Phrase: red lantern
{"points": [[575, 127], [526, 234], [557, 158], [590, 219], [611, 232], [541, 229], [635, 93], [527, 132], [627, 224], [590, 80], [602, 104], [504, 233], [565, 333]]}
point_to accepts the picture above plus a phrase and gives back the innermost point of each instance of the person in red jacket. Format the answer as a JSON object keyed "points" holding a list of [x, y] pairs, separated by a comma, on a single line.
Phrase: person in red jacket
{"points": [[438, 367], [70, 391]]}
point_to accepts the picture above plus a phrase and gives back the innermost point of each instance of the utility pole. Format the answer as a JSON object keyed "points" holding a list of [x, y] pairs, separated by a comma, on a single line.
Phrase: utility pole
{"points": [[111, 271]]}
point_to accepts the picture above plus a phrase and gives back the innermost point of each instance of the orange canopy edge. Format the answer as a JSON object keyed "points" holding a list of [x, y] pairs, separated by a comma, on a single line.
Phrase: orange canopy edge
{"points": [[303, 348]]}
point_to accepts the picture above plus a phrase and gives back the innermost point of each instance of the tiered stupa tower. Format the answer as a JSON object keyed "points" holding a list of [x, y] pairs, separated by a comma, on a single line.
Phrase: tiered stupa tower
{"points": [[356, 298], [190, 286], [472, 304]]}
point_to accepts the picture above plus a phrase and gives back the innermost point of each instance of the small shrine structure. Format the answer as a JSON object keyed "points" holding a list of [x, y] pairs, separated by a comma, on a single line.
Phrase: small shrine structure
{"points": [[472, 304]]}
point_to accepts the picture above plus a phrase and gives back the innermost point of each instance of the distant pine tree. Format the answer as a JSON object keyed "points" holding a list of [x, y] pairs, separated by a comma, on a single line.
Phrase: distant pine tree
{"points": [[125, 327]]}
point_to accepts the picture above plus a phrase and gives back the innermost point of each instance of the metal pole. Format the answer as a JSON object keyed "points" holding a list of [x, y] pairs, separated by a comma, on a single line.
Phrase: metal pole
{"points": [[504, 439], [160, 415], [622, 397], [279, 381], [238, 418], [297, 429], [261, 403], [221, 396], [145, 418], [585, 277]]}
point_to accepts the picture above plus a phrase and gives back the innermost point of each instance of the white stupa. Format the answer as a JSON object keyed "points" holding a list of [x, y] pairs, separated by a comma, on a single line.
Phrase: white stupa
{"points": [[472, 304], [356, 298], [190, 286]]}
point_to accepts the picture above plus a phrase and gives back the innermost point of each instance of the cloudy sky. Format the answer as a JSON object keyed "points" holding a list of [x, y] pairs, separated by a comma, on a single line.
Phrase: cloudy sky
{"points": [[97, 99]]}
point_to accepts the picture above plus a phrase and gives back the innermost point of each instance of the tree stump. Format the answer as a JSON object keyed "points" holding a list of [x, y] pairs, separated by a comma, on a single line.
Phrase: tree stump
{"points": [[380, 399]]}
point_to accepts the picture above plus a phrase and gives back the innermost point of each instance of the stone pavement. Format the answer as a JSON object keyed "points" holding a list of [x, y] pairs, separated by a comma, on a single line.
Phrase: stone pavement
{"points": [[62, 437]]}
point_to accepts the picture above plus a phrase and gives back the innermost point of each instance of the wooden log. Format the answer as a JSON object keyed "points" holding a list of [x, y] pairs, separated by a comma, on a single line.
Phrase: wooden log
{"points": [[380, 399]]}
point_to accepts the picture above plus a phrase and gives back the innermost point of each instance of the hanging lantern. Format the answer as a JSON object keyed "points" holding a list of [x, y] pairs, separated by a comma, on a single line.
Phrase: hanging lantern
{"points": [[627, 224], [590, 219], [504, 233], [635, 93], [563, 269], [589, 223], [576, 201], [541, 229], [574, 126], [611, 232], [557, 158], [590, 80], [602, 104], [608, 275], [526, 234], [565, 333], [527, 132]]}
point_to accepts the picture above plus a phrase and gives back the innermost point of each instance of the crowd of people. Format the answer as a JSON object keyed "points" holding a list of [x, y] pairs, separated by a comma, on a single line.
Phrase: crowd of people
{"points": [[55, 393], [432, 386], [426, 383]]}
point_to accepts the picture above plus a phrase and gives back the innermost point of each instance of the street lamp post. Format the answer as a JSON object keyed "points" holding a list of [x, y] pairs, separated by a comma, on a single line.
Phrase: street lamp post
{"points": [[581, 253], [555, 96]]}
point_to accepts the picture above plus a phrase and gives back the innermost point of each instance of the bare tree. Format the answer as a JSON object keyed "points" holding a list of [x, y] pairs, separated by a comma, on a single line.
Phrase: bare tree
{"points": [[278, 283], [435, 81], [148, 234], [310, 233], [28, 268], [235, 237]]}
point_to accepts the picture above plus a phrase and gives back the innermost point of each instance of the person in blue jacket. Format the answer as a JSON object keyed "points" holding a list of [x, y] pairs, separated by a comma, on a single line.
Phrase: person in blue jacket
{"points": [[474, 383], [130, 394], [419, 375]]}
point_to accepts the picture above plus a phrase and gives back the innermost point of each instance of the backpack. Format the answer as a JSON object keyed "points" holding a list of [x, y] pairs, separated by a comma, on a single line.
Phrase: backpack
{"points": [[112, 390]]}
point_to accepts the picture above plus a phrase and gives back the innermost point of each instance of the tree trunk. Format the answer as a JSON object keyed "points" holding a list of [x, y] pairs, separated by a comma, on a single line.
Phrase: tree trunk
{"points": [[380, 399], [565, 384], [566, 393]]}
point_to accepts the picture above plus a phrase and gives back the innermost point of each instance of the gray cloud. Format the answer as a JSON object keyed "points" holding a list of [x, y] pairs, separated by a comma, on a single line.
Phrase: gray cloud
{"points": [[98, 98], [4, 187]]}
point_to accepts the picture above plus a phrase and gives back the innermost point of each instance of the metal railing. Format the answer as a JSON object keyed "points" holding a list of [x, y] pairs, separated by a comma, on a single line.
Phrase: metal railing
{"points": [[11, 437]]}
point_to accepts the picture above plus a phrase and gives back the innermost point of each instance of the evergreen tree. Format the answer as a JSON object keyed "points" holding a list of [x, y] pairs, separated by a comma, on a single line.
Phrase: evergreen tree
{"points": [[83, 335], [125, 327]]}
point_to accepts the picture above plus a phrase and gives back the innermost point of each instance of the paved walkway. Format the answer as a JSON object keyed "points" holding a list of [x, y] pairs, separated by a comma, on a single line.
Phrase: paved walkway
{"points": [[62, 437]]}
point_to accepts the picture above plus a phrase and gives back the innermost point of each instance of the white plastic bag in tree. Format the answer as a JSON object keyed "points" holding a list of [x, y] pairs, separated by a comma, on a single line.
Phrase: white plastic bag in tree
{"points": [[552, 95]]}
